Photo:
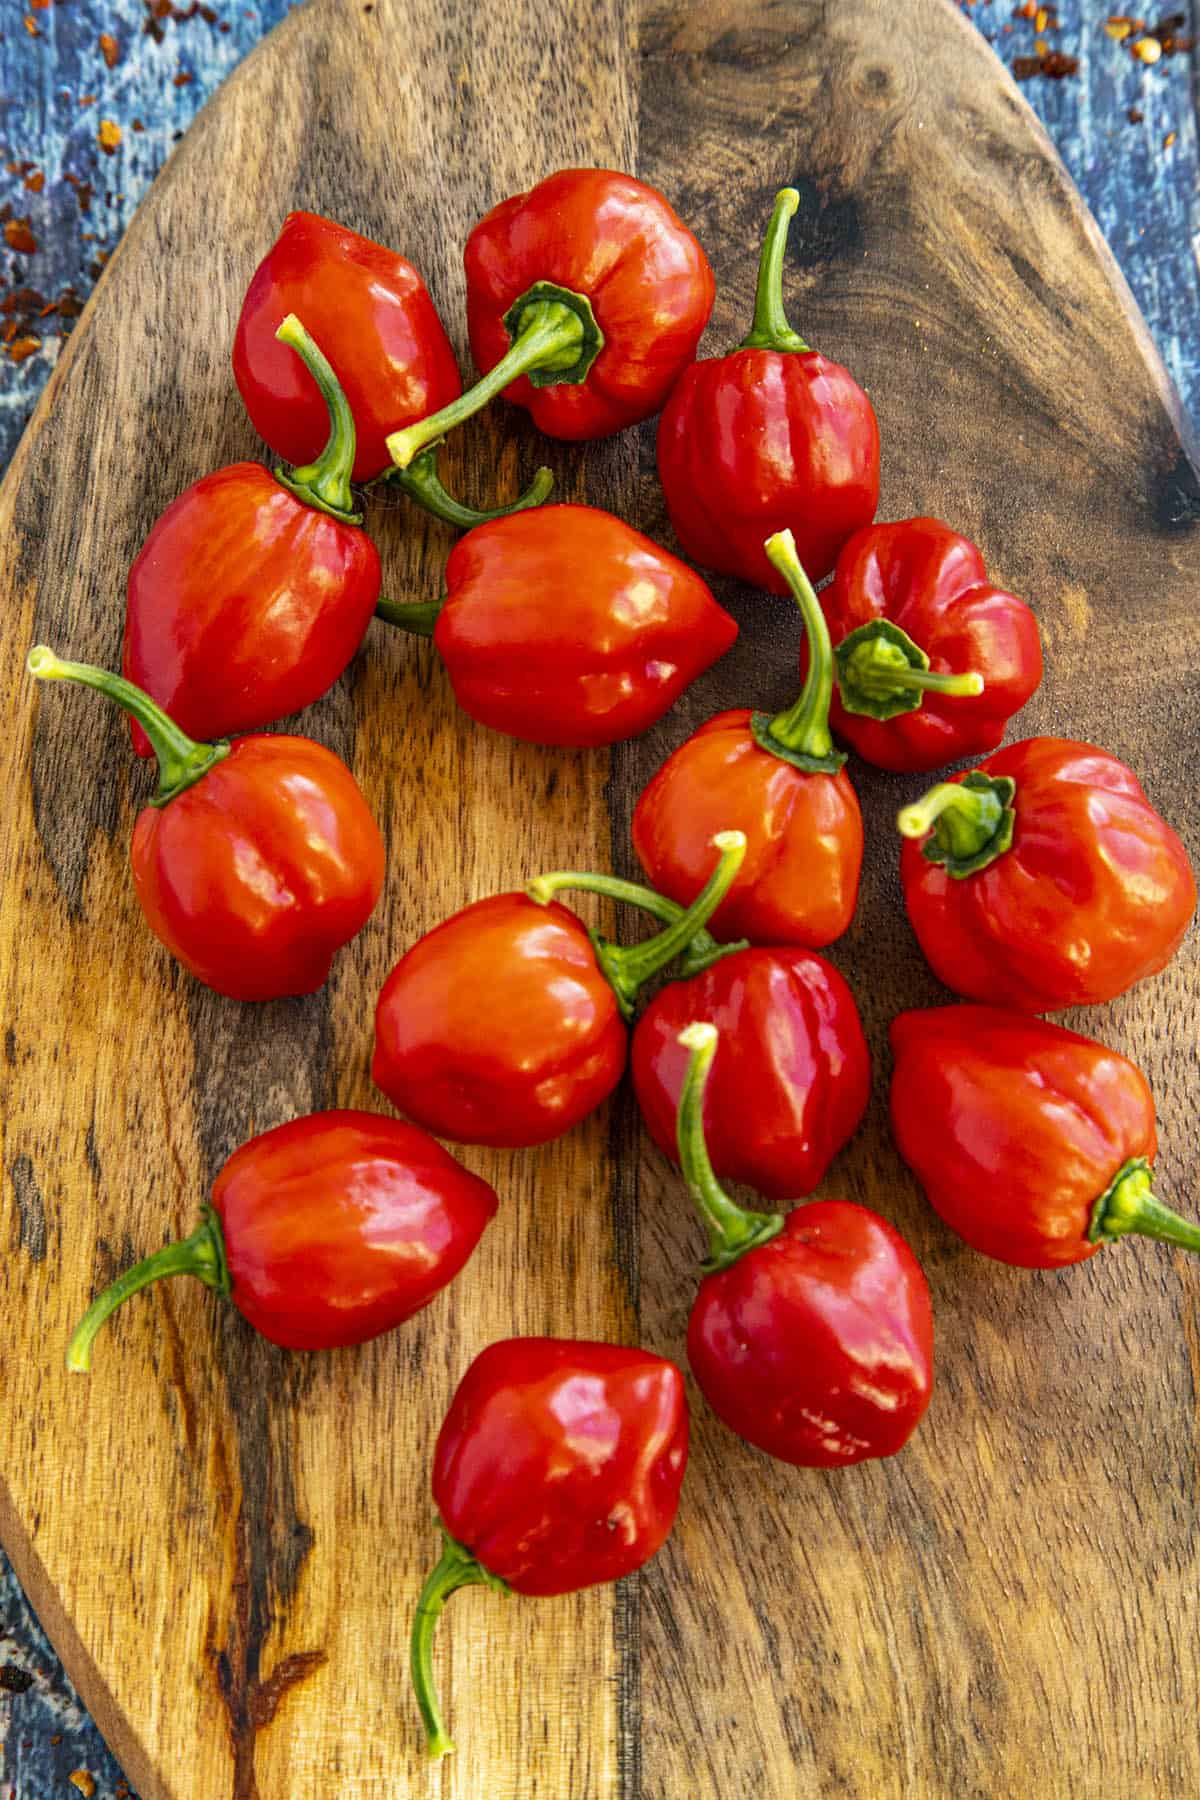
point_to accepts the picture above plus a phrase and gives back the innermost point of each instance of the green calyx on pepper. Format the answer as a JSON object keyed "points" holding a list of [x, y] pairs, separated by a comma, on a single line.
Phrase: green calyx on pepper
{"points": [[801, 734], [732, 1229], [881, 672], [1129, 1205], [181, 760], [971, 822], [324, 483], [629, 966], [555, 338]]}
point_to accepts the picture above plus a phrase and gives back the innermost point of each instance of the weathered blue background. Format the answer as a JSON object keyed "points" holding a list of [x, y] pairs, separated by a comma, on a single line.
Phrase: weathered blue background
{"points": [[56, 89]]}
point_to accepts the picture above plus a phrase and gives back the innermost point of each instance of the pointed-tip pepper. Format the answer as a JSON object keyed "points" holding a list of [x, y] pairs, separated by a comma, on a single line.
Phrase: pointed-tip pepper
{"points": [[781, 781], [770, 435], [252, 591], [1044, 878], [566, 626], [792, 1074], [558, 1466], [326, 1231], [256, 860], [586, 296], [931, 659], [811, 1334], [506, 1024], [1033, 1143]]}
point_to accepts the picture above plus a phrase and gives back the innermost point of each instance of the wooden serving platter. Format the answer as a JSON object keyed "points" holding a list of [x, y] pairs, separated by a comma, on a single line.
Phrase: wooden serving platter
{"points": [[225, 1541]]}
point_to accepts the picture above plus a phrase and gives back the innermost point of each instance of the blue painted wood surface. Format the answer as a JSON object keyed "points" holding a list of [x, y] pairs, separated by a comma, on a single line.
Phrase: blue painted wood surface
{"points": [[56, 88]]}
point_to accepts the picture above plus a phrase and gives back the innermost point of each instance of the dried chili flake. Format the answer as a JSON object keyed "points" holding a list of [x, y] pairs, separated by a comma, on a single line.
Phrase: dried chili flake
{"points": [[1135, 115], [136, 125], [87, 99], [31, 25], [85, 1782], [109, 136], [1147, 49], [183, 78], [1041, 47], [1118, 26], [18, 236], [83, 192], [109, 49], [23, 347], [1057, 65], [1169, 139], [14, 1680], [69, 304], [1027, 10], [1041, 19], [35, 181]]}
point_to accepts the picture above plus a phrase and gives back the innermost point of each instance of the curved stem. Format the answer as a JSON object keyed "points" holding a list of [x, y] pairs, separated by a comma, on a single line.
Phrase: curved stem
{"points": [[770, 329], [885, 678], [202, 1255], [628, 967], [701, 953], [1130, 1205], [971, 820], [554, 337], [801, 733], [882, 672], [732, 1229], [455, 1569], [421, 482], [181, 761], [326, 482], [416, 616]]}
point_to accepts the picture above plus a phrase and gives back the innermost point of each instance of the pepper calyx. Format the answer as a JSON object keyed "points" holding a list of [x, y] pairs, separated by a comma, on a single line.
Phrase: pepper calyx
{"points": [[882, 672], [764, 737], [970, 822], [544, 305], [1129, 1204]]}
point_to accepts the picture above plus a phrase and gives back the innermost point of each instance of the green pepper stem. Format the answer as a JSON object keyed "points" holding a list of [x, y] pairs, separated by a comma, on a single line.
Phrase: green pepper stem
{"points": [[701, 953], [550, 338], [804, 728], [964, 818], [455, 1569], [628, 967], [770, 329], [1129, 1204], [421, 482], [417, 617], [324, 483], [882, 669], [202, 1255], [732, 1229], [181, 761]]}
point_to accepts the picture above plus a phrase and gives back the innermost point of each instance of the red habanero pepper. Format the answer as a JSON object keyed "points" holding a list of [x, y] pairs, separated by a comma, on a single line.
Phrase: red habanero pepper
{"points": [[768, 436], [1034, 1144], [326, 1231], [372, 313], [586, 296], [792, 1074], [506, 1024], [932, 660], [779, 780], [1044, 878], [566, 626], [811, 1334], [252, 591], [256, 860], [558, 1466]]}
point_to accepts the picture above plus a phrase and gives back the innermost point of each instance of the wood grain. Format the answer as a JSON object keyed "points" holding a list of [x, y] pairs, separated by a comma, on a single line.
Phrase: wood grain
{"points": [[224, 1541]]}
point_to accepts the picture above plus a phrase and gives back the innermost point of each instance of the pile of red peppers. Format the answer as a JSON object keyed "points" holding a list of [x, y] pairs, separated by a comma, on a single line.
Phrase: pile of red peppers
{"points": [[1037, 879]]}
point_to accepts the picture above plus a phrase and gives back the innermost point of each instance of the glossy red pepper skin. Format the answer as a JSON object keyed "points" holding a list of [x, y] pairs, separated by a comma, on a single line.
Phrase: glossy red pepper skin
{"points": [[1015, 1128], [811, 1334], [324, 1232], [372, 315], [245, 604], [498, 1026], [1094, 894], [616, 241], [340, 1226], [258, 873], [804, 832], [559, 1463], [771, 436], [563, 625], [931, 583], [505, 1025], [817, 1346], [791, 1076]]}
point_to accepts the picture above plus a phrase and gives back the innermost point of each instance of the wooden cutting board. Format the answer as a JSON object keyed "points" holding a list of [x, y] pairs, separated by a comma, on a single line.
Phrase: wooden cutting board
{"points": [[225, 1541]]}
